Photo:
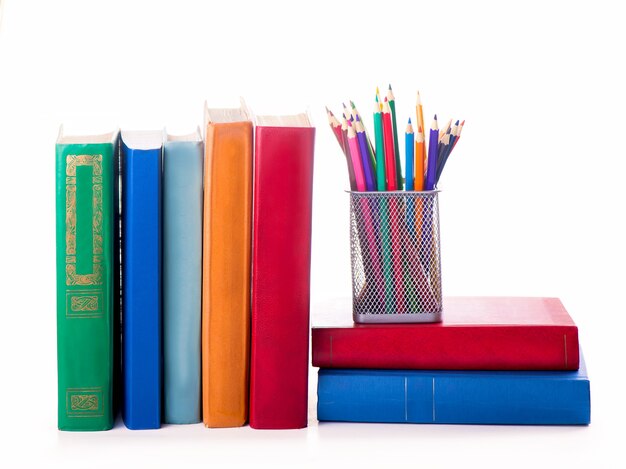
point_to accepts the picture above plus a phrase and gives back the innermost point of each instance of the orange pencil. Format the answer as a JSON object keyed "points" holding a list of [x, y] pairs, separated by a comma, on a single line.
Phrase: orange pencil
{"points": [[420, 151]]}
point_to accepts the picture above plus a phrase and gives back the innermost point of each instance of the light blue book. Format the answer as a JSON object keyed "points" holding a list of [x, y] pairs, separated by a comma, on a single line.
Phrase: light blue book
{"points": [[182, 277]]}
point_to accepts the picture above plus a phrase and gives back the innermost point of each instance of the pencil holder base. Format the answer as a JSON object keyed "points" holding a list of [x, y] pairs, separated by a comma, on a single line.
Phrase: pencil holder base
{"points": [[396, 258], [361, 318]]}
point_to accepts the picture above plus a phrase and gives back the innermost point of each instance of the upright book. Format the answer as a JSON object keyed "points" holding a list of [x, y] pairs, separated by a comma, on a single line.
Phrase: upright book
{"points": [[87, 267], [283, 183], [182, 277], [477, 333], [141, 272], [454, 397], [226, 267]]}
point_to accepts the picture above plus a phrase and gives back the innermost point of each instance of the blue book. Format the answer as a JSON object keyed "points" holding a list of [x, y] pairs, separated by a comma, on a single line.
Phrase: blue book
{"points": [[454, 397], [141, 278], [182, 277]]}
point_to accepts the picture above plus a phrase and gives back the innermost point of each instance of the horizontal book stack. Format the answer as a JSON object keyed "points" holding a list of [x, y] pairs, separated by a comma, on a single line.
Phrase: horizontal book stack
{"points": [[213, 320], [493, 360]]}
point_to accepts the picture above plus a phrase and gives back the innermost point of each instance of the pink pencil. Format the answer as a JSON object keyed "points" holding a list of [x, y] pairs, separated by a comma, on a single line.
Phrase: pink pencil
{"points": [[355, 157]]}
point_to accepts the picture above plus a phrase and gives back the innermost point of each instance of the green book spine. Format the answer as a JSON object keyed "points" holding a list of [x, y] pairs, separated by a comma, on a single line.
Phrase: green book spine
{"points": [[85, 182]]}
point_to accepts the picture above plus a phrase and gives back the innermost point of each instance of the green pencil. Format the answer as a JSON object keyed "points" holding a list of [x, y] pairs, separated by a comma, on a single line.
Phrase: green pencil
{"points": [[380, 151], [392, 106]]}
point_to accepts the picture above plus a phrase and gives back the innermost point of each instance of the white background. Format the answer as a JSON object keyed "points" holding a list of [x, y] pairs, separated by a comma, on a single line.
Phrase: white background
{"points": [[532, 202]]}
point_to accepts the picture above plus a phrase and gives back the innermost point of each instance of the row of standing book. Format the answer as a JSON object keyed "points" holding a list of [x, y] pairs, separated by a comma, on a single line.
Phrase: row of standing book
{"points": [[183, 288]]}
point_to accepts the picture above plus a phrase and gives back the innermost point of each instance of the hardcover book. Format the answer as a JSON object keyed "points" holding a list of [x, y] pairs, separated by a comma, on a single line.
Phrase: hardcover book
{"points": [[141, 273], [87, 267], [477, 333], [454, 397], [226, 267], [182, 277], [283, 183]]}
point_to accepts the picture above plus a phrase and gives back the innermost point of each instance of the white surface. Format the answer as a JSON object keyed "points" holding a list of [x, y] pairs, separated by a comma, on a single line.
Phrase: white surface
{"points": [[532, 203]]}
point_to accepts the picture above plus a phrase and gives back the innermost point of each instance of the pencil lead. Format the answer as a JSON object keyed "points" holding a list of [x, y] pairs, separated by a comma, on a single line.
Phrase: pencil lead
{"points": [[457, 122], [409, 120], [435, 116], [386, 99], [390, 87], [352, 104], [357, 119]]}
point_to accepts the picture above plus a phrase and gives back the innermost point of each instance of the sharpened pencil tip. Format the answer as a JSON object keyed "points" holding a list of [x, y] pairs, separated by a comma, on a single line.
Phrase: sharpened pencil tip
{"points": [[409, 120], [385, 98], [352, 104], [435, 116], [457, 123], [357, 119], [389, 85]]}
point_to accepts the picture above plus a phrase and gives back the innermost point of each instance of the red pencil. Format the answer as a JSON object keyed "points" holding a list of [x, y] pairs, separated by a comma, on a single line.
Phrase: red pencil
{"points": [[390, 155], [336, 126]]}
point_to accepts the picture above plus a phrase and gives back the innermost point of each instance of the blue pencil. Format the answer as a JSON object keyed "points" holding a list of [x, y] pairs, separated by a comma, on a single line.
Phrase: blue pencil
{"points": [[409, 155]]}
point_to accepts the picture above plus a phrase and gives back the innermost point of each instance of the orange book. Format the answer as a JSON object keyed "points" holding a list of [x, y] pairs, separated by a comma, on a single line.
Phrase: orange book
{"points": [[226, 267]]}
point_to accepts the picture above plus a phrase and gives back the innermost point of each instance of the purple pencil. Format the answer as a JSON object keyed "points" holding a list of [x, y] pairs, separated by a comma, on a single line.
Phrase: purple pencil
{"points": [[433, 152], [370, 178]]}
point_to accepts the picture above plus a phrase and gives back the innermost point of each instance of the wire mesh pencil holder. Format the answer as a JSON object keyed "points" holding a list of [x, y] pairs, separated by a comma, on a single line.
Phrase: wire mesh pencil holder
{"points": [[396, 257]]}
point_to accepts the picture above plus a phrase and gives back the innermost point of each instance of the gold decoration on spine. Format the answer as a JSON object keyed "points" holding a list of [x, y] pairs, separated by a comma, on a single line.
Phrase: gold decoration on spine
{"points": [[97, 276]]}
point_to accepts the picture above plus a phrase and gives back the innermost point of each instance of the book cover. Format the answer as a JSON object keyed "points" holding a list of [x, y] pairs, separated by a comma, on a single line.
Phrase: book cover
{"points": [[182, 276], [87, 306], [226, 267], [283, 177], [477, 333], [141, 272], [454, 397]]}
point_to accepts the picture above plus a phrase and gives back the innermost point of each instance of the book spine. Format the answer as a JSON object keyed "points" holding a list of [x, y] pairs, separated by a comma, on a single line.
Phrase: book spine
{"points": [[558, 398], [447, 348], [280, 277], [85, 297], [141, 253], [182, 272], [226, 274]]}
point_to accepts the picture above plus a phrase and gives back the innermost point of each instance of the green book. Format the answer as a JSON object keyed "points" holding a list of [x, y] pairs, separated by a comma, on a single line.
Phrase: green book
{"points": [[87, 233]]}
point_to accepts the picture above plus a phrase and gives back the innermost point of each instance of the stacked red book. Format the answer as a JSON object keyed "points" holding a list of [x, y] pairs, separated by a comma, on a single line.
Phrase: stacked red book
{"points": [[477, 333]]}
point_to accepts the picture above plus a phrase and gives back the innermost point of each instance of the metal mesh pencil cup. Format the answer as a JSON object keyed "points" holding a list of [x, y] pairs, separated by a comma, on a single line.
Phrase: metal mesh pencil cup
{"points": [[396, 257]]}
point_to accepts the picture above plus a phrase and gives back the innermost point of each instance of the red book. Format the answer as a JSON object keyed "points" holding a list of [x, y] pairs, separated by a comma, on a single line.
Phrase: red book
{"points": [[477, 333], [281, 259]]}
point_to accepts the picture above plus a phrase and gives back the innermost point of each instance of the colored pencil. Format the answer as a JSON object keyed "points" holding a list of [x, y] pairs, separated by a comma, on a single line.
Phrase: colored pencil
{"points": [[380, 149], [370, 148], [368, 168], [433, 150], [445, 130], [396, 147], [458, 135], [409, 155], [390, 160], [339, 134], [355, 156], [419, 113], [420, 150]]}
